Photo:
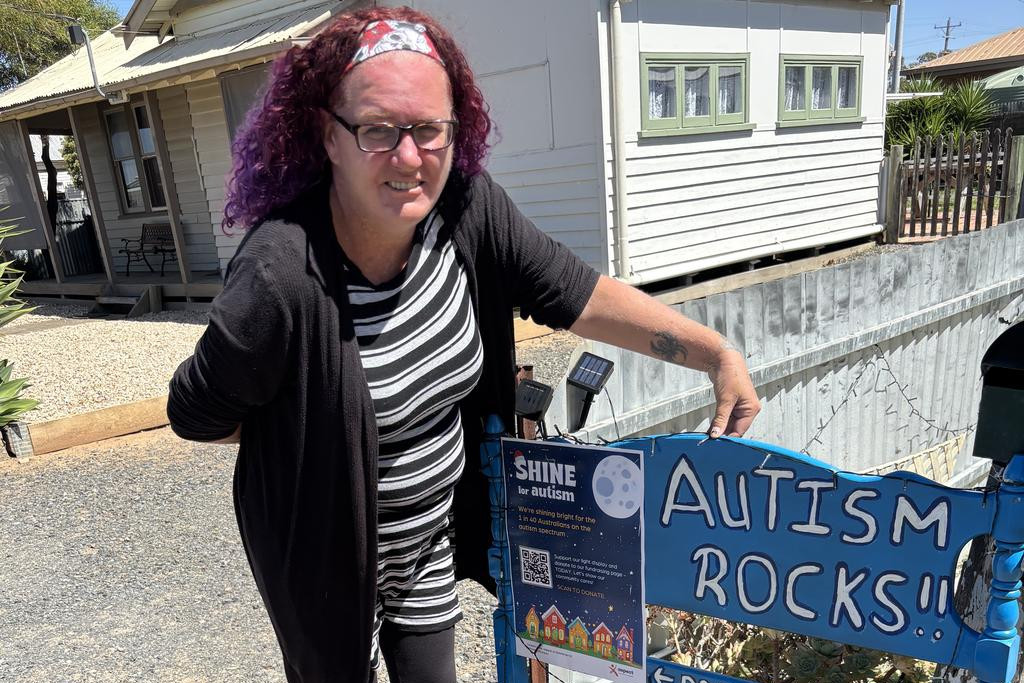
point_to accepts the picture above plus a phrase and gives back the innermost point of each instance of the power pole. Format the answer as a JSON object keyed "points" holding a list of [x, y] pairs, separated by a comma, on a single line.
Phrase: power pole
{"points": [[948, 29], [897, 63]]}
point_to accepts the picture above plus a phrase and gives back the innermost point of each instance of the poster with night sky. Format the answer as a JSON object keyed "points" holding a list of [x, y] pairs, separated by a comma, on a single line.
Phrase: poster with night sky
{"points": [[574, 518]]}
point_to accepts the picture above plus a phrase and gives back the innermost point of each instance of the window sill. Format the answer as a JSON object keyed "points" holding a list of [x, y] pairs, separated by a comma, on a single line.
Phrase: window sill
{"points": [[142, 214], [702, 130], [819, 122]]}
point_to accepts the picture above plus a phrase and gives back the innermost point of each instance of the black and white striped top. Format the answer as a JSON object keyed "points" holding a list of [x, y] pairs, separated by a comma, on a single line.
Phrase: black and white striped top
{"points": [[421, 351]]}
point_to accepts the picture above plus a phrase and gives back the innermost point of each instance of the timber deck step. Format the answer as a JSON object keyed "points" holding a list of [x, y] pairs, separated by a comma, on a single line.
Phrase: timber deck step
{"points": [[117, 300]]}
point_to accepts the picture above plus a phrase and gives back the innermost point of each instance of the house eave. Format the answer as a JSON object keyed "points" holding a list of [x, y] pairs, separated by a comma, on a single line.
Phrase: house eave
{"points": [[184, 73], [134, 20], [964, 67]]}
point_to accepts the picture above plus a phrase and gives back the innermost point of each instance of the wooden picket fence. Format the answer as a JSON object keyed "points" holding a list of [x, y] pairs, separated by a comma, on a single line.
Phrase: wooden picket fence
{"points": [[951, 185]]}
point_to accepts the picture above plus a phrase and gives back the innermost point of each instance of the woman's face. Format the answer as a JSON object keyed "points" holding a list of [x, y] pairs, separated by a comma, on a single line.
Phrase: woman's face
{"points": [[389, 191]]}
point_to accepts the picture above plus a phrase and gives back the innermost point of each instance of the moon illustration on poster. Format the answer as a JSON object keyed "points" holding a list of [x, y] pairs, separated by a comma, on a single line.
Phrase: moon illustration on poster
{"points": [[618, 487]]}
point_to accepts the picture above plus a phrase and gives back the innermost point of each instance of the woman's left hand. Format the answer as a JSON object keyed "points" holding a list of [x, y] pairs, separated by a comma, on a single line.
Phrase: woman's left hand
{"points": [[737, 402], [626, 317]]}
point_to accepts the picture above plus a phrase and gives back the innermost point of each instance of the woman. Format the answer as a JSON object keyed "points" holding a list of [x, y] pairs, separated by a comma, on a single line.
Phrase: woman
{"points": [[365, 328]]}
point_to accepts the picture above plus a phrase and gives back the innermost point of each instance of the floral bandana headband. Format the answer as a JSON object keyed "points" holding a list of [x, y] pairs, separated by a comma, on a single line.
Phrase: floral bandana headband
{"points": [[391, 34]]}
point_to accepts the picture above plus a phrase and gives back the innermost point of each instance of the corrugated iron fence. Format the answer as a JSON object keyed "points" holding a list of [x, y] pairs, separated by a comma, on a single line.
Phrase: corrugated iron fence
{"points": [[862, 363], [76, 241], [76, 238], [953, 184]]}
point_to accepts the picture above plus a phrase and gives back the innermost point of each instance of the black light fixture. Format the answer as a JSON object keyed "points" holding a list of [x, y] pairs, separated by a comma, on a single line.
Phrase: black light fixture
{"points": [[77, 34], [586, 380], [532, 401]]}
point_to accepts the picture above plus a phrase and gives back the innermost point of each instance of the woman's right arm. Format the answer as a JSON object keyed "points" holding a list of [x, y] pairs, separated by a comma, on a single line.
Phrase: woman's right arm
{"points": [[240, 360]]}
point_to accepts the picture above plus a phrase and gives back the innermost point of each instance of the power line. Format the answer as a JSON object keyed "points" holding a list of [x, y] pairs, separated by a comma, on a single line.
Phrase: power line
{"points": [[48, 15]]}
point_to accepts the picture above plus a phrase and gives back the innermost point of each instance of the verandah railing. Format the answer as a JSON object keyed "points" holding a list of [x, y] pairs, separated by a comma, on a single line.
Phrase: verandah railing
{"points": [[953, 184]]}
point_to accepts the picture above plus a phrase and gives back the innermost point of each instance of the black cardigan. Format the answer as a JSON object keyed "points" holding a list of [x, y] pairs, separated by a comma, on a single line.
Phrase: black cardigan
{"points": [[280, 357]]}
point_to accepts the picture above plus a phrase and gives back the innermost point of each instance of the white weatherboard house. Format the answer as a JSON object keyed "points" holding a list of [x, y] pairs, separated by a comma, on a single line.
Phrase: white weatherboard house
{"points": [[731, 129]]}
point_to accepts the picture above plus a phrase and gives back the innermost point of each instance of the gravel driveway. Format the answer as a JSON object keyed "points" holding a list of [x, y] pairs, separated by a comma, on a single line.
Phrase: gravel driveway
{"points": [[121, 562], [76, 364]]}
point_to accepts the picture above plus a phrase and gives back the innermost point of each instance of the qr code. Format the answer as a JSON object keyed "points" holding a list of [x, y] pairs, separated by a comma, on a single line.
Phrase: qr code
{"points": [[535, 566]]}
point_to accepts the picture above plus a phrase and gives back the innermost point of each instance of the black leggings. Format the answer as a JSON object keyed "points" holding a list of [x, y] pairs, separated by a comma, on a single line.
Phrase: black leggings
{"points": [[418, 657]]}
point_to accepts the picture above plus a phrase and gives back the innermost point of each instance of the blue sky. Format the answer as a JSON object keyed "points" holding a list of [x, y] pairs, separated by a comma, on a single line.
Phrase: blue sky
{"points": [[980, 19], [121, 6]]}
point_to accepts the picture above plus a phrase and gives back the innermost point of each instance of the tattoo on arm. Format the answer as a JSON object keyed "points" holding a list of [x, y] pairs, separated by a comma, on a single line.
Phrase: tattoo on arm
{"points": [[668, 347]]}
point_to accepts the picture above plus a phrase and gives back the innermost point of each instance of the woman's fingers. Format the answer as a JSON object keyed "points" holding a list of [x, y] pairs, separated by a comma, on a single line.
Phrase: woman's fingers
{"points": [[737, 402], [723, 415]]}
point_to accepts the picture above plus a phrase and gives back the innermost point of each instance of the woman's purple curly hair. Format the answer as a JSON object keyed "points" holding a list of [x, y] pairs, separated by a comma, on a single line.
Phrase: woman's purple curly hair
{"points": [[278, 153]]}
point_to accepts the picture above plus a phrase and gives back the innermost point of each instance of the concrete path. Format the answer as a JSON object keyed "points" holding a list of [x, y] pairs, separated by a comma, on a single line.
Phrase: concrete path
{"points": [[121, 561]]}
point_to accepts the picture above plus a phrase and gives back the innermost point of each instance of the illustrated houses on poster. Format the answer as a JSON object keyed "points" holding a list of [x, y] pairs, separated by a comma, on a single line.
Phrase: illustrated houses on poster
{"points": [[603, 640], [624, 644], [554, 626], [579, 636], [533, 623]]}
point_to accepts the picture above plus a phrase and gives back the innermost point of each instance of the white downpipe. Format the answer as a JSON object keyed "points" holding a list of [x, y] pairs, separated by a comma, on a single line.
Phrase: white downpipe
{"points": [[618, 108]]}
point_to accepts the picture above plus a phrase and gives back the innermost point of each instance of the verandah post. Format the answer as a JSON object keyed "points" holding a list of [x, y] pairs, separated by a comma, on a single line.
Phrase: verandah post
{"points": [[995, 658]]}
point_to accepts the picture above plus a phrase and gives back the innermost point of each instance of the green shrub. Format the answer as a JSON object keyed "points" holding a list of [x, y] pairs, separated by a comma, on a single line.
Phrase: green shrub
{"points": [[12, 405], [961, 110]]}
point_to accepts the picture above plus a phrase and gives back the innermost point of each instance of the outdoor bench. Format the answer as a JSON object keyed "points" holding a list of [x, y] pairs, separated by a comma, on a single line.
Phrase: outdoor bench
{"points": [[156, 240]]}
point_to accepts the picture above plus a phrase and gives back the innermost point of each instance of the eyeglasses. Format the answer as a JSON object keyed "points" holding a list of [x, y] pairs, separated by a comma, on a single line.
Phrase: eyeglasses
{"points": [[429, 136]]}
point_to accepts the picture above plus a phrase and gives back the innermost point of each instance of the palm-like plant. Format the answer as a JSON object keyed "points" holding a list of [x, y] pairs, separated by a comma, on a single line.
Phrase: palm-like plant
{"points": [[962, 109], [12, 406], [969, 106]]}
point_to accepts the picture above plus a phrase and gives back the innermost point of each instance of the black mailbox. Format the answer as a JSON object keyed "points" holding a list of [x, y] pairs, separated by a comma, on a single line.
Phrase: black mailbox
{"points": [[1000, 432]]}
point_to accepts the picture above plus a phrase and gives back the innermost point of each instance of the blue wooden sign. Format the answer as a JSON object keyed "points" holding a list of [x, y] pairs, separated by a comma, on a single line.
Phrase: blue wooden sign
{"points": [[754, 533]]}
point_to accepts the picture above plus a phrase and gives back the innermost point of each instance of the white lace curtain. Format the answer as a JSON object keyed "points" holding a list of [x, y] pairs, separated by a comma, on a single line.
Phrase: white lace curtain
{"points": [[821, 87], [846, 87], [729, 97], [697, 80], [661, 85], [795, 88]]}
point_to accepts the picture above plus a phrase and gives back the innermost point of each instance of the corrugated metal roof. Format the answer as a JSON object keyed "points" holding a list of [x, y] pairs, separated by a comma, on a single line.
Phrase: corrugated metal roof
{"points": [[147, 60], [1005, 45]]}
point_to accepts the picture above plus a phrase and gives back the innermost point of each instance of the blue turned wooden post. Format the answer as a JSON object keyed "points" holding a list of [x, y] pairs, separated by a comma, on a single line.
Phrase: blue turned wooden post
{"points": [[509, 669], [995, 659]]}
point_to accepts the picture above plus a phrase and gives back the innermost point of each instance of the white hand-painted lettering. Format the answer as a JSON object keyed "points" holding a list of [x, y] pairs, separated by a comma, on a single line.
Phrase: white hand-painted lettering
{"points": [[845, 585], [924, 596], [885, 600], [791, 604], [907, 513], [773, 491], [851, 509], [706, 582], [743, 522], [682, 470], [741, 583], [812, 526]]}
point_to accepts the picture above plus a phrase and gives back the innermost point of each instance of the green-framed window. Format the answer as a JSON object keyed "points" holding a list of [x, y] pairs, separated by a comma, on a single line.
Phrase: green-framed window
{"points": [[694, 93], [816, 89]]}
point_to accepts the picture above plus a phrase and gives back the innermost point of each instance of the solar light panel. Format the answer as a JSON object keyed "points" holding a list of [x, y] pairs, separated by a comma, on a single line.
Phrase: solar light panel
{"points": [[532, 399], [591, 372]]}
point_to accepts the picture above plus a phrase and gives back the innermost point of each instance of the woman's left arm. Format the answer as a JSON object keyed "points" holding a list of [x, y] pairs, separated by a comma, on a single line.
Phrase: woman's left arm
{"points": [[626, 317]]}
